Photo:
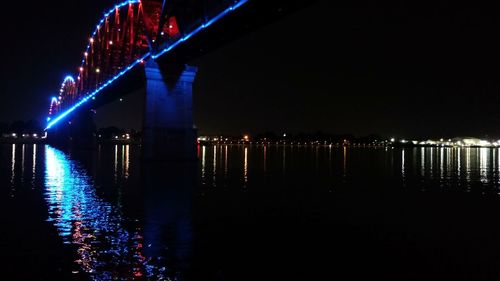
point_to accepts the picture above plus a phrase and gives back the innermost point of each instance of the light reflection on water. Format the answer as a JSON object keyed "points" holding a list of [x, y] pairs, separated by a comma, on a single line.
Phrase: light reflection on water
{"points": [[23, 152], [126, 160], [203, 164], [87, 221], [13, 171], [109, 244], [33, 170], [245, 168], [423, 168], [403, 165], [225, 163], [214, 164], [116, 163]]}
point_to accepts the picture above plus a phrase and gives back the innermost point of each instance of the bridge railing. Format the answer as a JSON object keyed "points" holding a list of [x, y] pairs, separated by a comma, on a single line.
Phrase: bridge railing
{"points": [[192, 14], [210, 10]]}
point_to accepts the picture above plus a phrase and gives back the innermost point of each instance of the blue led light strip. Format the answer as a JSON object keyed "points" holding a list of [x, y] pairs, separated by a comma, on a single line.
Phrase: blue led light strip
{"points": [[200, 28], [94, 93]]}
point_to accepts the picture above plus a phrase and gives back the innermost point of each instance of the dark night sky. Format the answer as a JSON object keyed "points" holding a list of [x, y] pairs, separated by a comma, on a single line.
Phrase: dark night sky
{"points": [[394, 68]]}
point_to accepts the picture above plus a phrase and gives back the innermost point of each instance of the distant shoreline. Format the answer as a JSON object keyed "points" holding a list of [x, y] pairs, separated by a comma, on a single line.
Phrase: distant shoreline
{"points": [[22, 141], [354, 145], [261, 143], [45, 141]]}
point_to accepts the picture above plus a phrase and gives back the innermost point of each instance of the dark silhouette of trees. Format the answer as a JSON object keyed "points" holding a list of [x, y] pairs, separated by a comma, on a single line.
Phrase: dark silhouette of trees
{"points": [[21, 127]]}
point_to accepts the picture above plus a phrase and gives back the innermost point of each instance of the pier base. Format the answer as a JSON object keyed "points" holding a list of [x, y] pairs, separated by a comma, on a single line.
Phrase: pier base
{"points": [[168, 130]]}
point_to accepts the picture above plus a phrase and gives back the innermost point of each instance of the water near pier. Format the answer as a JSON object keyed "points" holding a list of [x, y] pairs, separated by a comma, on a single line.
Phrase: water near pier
{"points": [[251, 213]]}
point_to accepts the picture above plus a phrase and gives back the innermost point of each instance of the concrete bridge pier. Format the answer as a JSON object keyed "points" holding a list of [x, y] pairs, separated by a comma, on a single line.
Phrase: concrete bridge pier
{"points": [[168, 130]]}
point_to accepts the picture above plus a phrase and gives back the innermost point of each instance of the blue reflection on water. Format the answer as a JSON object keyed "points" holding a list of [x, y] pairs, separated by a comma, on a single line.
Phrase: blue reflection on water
{"points": [[90, 223]]}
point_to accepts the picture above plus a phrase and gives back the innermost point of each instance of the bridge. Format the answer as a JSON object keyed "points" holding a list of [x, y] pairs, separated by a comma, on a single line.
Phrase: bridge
{"points": [[147, 44]]}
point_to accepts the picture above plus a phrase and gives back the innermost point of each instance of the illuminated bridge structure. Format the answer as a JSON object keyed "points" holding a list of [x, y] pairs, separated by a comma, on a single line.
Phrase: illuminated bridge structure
{"points": [[146, 44]]}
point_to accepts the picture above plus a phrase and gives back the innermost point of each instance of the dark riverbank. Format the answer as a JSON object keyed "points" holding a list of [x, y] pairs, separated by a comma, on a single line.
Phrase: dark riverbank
{"points": [[22, 141]]}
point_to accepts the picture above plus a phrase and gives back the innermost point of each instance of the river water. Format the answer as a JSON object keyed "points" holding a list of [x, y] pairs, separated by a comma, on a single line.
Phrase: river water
{"points": [[250, 213]]}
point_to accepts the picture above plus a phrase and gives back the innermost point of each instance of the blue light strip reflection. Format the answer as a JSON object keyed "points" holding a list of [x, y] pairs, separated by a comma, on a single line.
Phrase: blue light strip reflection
{"points": [[200, 28], [87, 221]]}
